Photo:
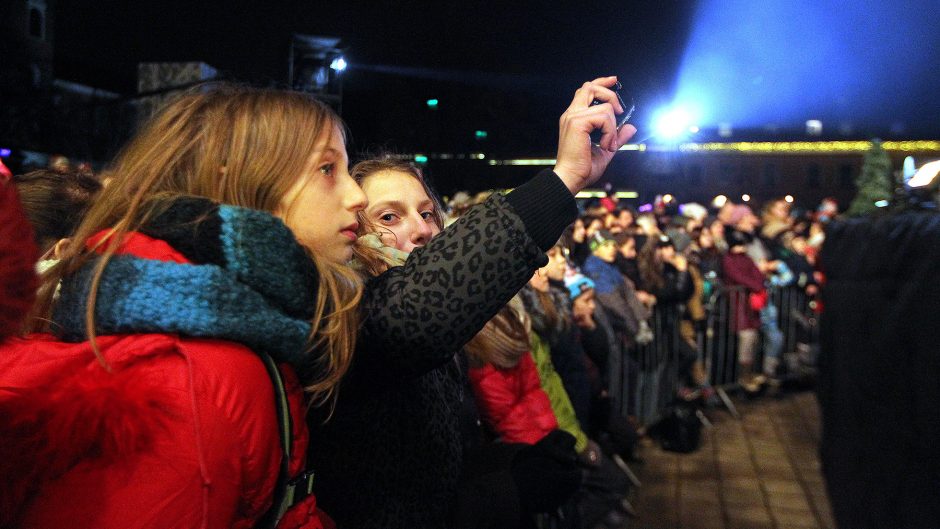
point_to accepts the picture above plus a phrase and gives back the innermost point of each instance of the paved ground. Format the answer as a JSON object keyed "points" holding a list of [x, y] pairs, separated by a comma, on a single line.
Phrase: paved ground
{"points": [[759, 472]]}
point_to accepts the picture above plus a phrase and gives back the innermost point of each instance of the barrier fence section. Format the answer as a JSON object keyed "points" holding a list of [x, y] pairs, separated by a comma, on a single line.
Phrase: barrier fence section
{"points": [[645, 378]]}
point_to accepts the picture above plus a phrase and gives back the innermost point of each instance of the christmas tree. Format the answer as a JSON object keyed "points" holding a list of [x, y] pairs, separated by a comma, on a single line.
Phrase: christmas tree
{"points": [[875, 183]]}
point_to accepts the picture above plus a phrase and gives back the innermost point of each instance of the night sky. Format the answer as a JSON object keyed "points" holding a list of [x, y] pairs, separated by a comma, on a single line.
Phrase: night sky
{"points": [[505, 67]]}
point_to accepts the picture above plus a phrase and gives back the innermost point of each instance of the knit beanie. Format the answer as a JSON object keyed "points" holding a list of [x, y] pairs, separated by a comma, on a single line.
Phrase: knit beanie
{"points": [[739, 212], [600, 237], [578, 284]]}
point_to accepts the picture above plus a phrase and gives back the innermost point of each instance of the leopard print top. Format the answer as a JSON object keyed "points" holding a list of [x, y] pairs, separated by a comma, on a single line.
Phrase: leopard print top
{"points": [[390, 455]]}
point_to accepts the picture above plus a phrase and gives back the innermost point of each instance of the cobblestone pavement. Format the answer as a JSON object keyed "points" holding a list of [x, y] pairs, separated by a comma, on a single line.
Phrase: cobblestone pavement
{"points": [[758, 472]]}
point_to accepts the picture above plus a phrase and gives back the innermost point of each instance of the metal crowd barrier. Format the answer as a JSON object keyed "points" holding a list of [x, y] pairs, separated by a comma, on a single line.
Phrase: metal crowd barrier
{"points": [[718, 341], [644, 378]]}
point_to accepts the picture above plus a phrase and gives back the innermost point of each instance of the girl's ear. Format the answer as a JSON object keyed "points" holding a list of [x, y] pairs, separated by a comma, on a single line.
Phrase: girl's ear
{"points": [[59, 249]]}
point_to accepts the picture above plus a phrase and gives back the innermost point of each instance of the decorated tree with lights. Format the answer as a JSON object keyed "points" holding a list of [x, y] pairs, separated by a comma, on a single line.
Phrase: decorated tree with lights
{"points": [[875, 183]]}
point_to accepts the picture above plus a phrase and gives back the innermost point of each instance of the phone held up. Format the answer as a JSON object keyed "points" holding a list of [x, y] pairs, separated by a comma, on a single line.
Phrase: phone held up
{"points": [[621, 119]]}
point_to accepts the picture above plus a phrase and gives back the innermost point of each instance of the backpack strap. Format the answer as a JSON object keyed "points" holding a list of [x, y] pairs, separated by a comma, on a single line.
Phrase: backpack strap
{"points": [[287, 492]]}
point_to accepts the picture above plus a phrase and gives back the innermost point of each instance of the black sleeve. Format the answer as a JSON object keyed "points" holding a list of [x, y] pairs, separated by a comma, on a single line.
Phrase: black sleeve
{"points": [[416, 315]]}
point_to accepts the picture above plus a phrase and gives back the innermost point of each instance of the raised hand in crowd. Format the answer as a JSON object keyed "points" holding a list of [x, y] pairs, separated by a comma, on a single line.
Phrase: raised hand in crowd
{"points": [[579, 163]]}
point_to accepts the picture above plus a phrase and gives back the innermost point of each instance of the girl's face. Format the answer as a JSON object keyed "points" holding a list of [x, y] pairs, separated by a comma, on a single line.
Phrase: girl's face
{"points": [[705, 239], [626, 218], [607, 251], [557, 264], [628, 249], [582, 308], [321, 207], [400, 210]]}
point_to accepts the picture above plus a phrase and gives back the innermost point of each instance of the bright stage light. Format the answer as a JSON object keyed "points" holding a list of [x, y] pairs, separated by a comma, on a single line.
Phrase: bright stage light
{"points": [[338, 64], [789, 199], [925, 175], [673, 123], [667, 198], [719, 201], [746, 197]]}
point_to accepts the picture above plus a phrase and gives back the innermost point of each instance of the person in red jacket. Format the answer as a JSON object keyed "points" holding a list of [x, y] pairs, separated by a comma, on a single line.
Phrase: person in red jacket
{"points": [[218, 244], [151, 404], [506, 382], [17, 254]]}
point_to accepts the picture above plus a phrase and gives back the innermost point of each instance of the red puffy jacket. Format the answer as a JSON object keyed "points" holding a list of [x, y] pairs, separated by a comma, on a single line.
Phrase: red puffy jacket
{"points": [[513, 402], [181, 433]]}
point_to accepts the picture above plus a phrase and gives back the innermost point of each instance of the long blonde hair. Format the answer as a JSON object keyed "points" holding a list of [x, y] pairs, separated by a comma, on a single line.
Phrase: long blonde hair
{"points": [[233, 145]]}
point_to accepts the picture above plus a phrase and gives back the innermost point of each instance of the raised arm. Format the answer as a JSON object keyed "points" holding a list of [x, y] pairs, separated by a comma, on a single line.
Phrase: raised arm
{"points": [[416, 315]]}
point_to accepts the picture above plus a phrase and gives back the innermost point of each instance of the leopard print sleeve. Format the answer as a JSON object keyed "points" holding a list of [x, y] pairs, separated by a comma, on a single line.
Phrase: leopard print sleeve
{"points": [[418, 314]]}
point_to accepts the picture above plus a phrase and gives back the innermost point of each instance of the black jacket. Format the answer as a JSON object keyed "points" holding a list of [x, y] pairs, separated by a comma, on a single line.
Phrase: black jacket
{"points": [[879, 371], [390, 456]]}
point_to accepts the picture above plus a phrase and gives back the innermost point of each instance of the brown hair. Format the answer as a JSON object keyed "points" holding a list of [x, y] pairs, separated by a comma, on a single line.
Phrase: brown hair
{"points": [[383, 163], [651, 268], [54, 202], [502, 341], [234, 145], [504, 338], [369, 257]]}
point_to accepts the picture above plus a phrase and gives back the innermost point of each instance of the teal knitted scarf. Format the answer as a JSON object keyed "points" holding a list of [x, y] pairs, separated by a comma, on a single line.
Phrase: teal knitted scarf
{"points": [[250, 281]]}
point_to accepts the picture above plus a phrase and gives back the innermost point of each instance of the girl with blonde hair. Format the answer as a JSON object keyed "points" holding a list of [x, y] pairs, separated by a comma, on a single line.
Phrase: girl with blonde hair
{"points": [[212, 257]]}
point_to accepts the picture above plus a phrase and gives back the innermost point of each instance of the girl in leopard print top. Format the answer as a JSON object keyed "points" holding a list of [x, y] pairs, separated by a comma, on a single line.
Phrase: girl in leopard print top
{"points": [[389, 456]]}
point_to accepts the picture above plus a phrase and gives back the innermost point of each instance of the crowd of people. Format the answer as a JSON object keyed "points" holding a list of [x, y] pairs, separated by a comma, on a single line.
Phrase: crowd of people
{"points": [[234, 328]]}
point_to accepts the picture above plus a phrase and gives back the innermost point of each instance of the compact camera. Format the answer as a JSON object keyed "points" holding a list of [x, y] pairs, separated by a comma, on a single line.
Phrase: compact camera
{"points": [[621, 119]]}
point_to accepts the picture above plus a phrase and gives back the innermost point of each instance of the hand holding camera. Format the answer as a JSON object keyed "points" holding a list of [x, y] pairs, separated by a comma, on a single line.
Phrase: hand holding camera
{"points": [[595, 106]]}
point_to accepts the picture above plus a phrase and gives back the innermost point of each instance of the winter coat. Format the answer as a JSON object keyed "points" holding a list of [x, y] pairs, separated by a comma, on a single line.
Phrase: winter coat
{"points": [[17, 254], [390, 455], [568, 356], [183, 431], [879, 366], [628, 267], [618, 297], [739, 270], [512, 401], [676, 287], [553, 386]]}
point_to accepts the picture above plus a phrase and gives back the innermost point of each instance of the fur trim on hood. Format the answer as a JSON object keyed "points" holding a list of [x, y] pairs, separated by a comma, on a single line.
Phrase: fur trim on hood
{"points": [[86, 416]]}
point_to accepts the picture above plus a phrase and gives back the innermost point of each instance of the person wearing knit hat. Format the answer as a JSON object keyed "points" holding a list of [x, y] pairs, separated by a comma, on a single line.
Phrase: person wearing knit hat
{"points": [[604, 243], [581, 289], [739, 213], [693, 210], [578, 284]]}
